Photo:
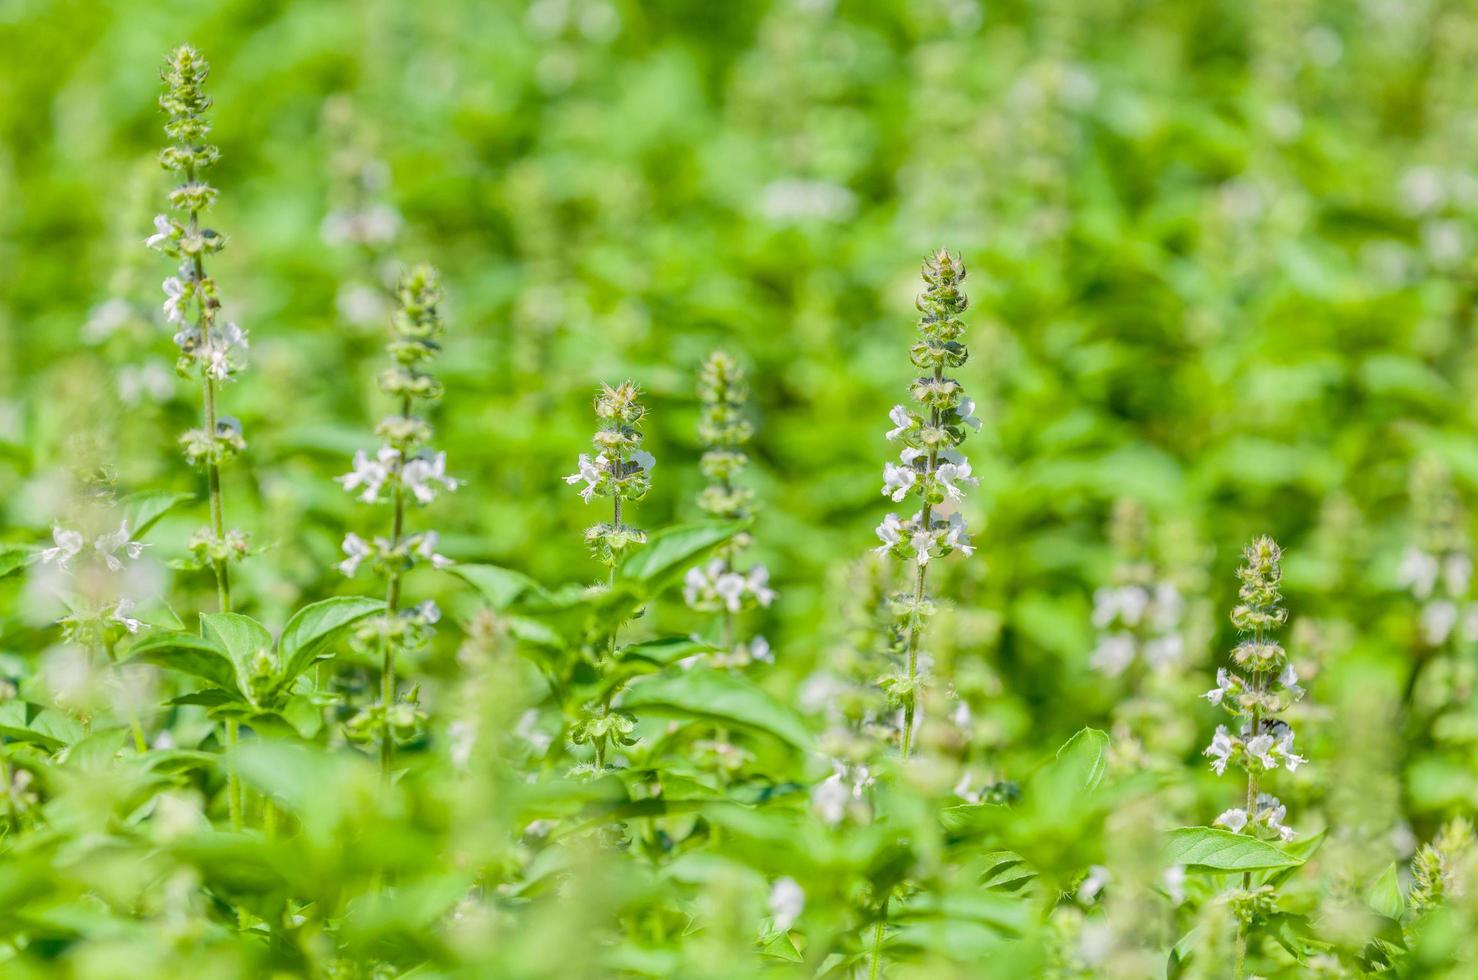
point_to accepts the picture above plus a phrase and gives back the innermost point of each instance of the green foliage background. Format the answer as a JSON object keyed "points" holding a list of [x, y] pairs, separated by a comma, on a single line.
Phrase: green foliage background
{"points": [[1207, 273]]}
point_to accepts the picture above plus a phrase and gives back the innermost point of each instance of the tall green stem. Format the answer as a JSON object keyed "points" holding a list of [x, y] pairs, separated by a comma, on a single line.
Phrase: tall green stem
{"points": [[212, 465], [392, 605], [915, 625], [1257, 684]]}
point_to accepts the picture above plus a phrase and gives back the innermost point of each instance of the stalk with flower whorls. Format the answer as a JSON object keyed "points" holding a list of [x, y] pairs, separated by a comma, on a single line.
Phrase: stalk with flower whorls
{"points": [[929, 468], [1261, 685], [211, 350], [717, 586], [622, 471], [402, 470]]}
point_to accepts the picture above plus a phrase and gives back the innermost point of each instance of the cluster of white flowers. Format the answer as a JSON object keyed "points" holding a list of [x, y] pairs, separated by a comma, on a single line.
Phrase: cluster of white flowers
{"points": [[1441, 585], [102, 609], [411, 548], [1261, 685], [1269, 750], [1137, 620], [715, 587], [402, 470], [1440, 199], [209, 348], [841, 793], [603, 476], [1437, 568], [619, 469], [929, 466], [374, 226], [910, 538], [423, 476], [1268, 813], [67, 544], [218, 350]]}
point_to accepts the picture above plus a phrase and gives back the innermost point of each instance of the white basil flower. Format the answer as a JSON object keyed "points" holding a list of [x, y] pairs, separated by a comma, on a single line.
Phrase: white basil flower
{"points": [[176, 295], [1260, 747], [903, 421], [1437, 620], [829, 799], [371, 474], [1220, 750], [121, 615], [109, 545], [1289, 680], [1114, 653], [357, 550], [890, 532], [1457, 572], [68, 545], [1162, 651], [1233, 820], [1418, 572], [898, 481], [758, 583], [965, 410], [423, 476], [950, 474], [787, 902], [591, 471], [957, 535], [163, 232], [1285, 749], [425, 549]]}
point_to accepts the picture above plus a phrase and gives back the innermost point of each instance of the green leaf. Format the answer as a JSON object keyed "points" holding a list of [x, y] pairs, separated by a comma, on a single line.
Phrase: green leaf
{"points": [[500, 586], [144, 509], [14, 556], [188, 654], [674, 549], [1216, 850], [1385, 895], [666, 651], [312, 627], [1059, 787], [721, 697], [1083, 759], [46, 727], [241, 636]]}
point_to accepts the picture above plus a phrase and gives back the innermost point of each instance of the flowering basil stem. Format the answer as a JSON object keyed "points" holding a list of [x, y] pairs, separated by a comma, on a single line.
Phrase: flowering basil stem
{"points": [[404, 470]]}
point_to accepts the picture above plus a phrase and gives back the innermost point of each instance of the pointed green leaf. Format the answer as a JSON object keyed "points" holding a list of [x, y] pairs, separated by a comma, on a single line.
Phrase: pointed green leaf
{"points": [[241, 636], [671, 551], [46, 727], [311, 628], [665, 651], [188, 654], [1385, 895], [1213, 849], [720, 697]]}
